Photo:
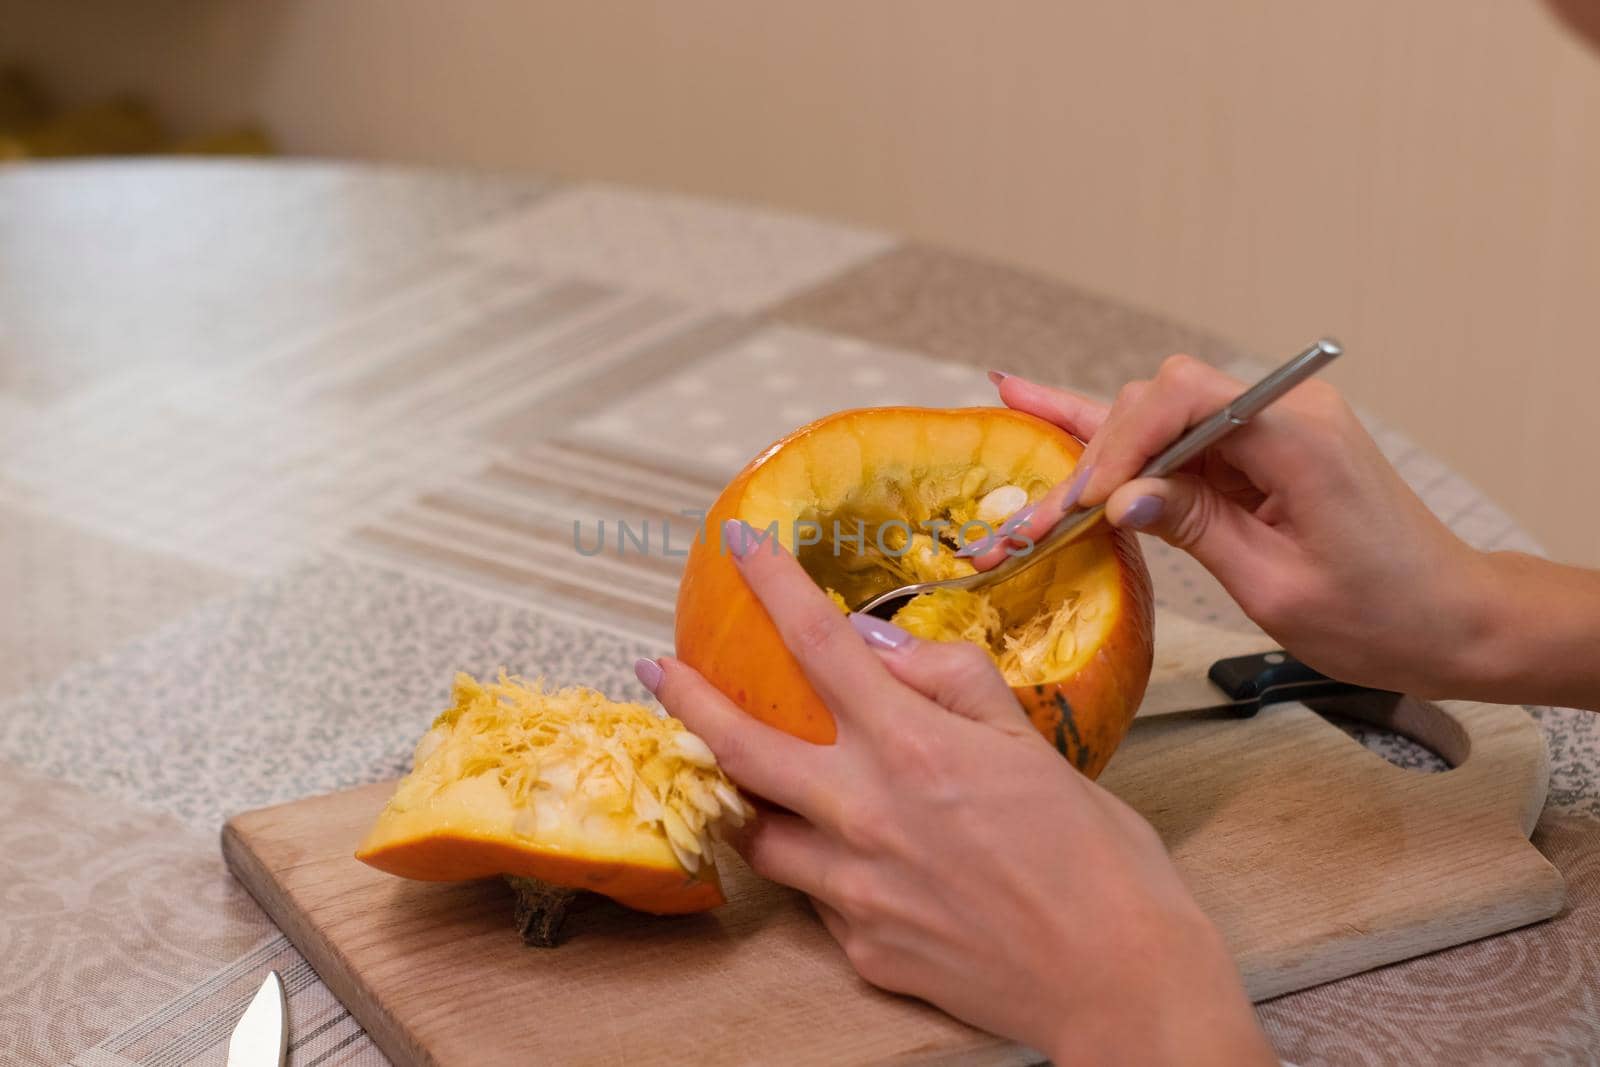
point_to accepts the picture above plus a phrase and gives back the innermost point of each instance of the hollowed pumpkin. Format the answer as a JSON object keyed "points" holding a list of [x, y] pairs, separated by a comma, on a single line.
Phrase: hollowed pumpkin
{"points": [[870, 499], [559, 790]]}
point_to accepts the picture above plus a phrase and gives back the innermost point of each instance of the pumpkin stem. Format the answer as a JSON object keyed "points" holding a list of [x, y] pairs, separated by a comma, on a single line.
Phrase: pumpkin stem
{"points": [[540, 910]]}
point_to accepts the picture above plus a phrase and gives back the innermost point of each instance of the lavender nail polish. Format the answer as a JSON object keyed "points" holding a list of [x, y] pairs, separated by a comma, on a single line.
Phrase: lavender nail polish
{"points": [[1143, 512], [1018, 517], [739, 538], [879, 633], [978, 547], [649, 673], [1080, 479]]}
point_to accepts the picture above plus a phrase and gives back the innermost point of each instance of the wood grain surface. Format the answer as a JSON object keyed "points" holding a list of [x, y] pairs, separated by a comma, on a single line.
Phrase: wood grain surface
{"points": [[1316, 857]]}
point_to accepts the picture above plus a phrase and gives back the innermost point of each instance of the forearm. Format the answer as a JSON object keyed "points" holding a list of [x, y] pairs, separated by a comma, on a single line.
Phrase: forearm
{"points": [[1539, 641], [1186, 1005]]}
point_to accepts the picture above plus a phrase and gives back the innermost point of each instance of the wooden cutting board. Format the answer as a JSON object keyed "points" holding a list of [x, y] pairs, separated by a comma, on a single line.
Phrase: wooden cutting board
{"points": [[1316, 858]]}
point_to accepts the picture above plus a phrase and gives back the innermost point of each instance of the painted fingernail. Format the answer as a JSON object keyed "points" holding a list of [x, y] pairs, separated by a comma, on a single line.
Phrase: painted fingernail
{"points": [[1018, 517], [879, 633], [649, 673], [998, 376], [1143, 512], [738, 537], [978, 547], [1075, 488]]}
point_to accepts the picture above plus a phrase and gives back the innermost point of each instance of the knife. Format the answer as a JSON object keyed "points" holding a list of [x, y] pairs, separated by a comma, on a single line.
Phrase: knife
{"points": [[261, 1037], [1240, 686]]}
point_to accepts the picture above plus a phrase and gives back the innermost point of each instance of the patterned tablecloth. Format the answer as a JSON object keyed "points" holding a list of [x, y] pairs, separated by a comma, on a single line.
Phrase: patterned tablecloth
{"points": [[284, 445]]}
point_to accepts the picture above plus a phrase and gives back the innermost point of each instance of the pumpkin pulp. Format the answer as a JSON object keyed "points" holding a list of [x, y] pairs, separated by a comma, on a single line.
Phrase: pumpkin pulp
{"points": [[873, 499], [563, 787]]}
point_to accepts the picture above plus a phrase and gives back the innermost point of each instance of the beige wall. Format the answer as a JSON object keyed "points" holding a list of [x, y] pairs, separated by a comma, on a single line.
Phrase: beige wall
{"points": [[1421, 179]]}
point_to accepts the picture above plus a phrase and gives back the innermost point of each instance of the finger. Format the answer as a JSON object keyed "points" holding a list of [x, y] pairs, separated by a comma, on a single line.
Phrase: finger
{"points": [[1189, 513], [837, 925], [986, 551], [1144, 421], [845, 674], [956, 675], [759, 758], [790, 851], [1028, 525], [1077, 414], [1060, 499]]}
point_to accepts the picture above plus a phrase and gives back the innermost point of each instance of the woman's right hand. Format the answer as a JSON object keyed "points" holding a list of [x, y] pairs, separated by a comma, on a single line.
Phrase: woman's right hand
{"points": [[1298, 514]]}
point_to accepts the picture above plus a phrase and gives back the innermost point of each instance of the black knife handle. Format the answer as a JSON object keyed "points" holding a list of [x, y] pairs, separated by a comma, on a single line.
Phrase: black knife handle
{"points": [[1272, 677]]}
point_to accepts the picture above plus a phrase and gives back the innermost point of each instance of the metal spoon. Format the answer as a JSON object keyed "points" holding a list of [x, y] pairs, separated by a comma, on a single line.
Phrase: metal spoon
{"points": [[1181, 451]]}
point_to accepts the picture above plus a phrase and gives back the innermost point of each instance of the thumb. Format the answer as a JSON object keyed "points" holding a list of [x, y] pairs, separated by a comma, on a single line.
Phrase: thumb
{"points": [[957, 675], [1186, 512]]}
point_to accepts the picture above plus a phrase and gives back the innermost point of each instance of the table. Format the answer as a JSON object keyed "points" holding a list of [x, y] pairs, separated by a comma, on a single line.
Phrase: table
{"points": [[284, 444]]}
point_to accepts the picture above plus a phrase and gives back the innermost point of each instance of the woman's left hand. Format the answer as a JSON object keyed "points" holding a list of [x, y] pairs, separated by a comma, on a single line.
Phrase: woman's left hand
{"points": [[955, 856]]}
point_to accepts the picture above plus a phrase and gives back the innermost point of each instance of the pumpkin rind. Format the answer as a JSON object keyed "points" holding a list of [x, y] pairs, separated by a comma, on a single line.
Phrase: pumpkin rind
{"points": [[563, 787], [723, 631]]}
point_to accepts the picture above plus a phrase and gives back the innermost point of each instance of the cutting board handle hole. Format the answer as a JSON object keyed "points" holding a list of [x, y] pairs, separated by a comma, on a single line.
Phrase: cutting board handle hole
{"points": [[1403, 750], [1398, 749]]}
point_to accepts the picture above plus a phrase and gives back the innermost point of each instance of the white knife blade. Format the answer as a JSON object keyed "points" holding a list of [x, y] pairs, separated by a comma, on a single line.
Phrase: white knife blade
{"points": [[261, 1037]]}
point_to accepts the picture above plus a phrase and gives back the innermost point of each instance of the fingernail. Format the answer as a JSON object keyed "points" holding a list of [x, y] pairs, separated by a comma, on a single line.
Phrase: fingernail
{"points": [[998, 376], [978, 547], [1143, 512], [649, 673], [879, 633], [738, 537], [1075, 488], [1018, 517]]}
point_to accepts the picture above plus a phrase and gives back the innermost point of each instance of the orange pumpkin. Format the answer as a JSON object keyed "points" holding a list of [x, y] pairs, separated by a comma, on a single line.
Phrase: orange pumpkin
{"points": [[873, 498], [565, 788]]}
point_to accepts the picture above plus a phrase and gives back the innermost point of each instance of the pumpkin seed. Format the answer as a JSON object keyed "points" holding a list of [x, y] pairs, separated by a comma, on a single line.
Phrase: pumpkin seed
{"points": [[1001, 503]]}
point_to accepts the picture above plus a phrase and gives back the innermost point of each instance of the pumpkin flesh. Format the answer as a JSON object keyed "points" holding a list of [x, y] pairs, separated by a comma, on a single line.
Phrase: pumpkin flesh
{"points": [[869, 500], [563, 787]]}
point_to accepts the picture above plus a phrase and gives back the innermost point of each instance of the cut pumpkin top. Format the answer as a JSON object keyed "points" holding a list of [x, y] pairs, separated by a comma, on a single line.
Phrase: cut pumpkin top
{"points": [[876, 499]]}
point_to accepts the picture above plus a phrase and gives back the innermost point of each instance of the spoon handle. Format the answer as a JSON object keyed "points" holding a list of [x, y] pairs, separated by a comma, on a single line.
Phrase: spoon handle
{"points": [[1199, 438], [1246, 405]]}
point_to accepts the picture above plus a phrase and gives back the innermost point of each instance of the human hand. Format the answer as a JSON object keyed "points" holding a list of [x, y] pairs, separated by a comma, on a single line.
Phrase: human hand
{"points": [[1298, 514], [955, 856]]}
